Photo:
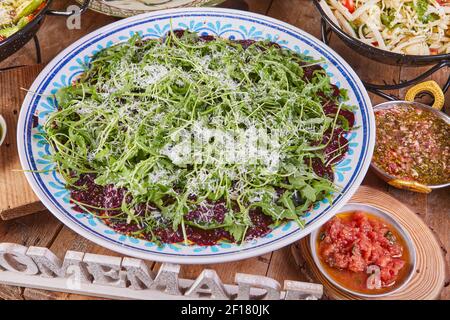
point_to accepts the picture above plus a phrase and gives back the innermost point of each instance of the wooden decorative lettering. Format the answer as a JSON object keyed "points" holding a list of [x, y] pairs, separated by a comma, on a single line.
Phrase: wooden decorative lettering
{"points": [[129, 278]]}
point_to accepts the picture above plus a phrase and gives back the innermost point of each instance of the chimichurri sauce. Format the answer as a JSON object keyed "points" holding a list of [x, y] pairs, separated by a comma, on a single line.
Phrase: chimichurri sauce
{"points": [[413, 144]]}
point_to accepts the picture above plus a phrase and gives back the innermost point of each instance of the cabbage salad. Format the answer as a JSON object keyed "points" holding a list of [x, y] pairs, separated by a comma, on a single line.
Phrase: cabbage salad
{"points": [[413, 27]]}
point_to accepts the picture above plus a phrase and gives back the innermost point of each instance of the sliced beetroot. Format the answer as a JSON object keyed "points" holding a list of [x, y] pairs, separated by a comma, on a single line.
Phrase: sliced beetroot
{"points": [[167, 235], [124, 227], [331, 109], [245, 43], [337, 146], [207, 38], [194, 235], [88, 192], [179, 33], [279, 191], [322, 96], [309, 71], [321, 170], [141, 209], [336, 91], [34, 121], [208, 213], [113, 197], [332, 96], [206, 237], [260, 225]]}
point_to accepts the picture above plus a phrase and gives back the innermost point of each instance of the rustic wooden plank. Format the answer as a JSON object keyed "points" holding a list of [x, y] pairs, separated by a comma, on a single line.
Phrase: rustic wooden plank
{"points": [[284, 266], [16, 197], [259, 6], [437, 218], [10, 292], [34, 230]]}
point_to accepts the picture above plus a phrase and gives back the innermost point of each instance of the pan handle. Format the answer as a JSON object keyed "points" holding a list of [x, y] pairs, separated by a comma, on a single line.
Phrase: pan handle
{"points": [[429, 86], [410, 185], [83, 8]]}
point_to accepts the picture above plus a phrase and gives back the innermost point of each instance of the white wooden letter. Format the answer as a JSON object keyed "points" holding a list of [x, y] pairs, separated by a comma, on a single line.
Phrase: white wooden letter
{"points": [[105, 270], [208, 285], [51, 266], [73, 265], [13, 258], [137, 273], [167, 279], [246, 282]]}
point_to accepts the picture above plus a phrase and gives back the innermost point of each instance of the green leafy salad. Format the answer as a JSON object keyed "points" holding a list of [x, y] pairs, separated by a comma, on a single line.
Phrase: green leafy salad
{"points": [[198, 139]]}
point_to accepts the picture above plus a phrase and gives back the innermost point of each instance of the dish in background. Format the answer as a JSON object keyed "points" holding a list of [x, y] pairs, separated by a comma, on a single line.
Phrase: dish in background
{"points": [[225, 23], [441, 128], [18, 39], [3, 129], [128, 8], [356, 282], [419, 27], [15, 15], [372, 52]]}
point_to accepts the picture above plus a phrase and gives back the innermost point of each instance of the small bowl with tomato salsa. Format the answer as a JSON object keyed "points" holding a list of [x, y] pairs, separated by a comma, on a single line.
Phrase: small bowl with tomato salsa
{"points": [[364, 251]]}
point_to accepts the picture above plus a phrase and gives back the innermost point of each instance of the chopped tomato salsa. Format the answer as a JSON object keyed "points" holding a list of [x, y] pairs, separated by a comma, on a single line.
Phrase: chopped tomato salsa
{"points": [[350, 245]]}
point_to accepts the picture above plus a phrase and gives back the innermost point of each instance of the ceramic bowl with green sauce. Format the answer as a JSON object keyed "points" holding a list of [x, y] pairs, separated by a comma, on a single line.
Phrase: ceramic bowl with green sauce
{"points": [[412, 149]]}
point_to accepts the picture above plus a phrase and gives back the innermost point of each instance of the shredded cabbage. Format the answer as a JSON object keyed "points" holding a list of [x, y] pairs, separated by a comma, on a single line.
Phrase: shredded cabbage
{"points": [[416, 27]]}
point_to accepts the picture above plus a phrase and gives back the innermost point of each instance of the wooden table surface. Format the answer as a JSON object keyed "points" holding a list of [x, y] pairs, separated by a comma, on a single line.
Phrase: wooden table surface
{"points": [[43, 229]]}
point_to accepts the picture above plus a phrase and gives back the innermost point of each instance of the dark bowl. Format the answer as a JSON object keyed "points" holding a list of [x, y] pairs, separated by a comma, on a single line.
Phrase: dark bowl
{"points": [[16, 41], [380, 55]]}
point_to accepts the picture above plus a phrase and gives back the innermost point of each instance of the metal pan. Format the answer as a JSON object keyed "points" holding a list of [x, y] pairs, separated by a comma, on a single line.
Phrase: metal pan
{"points": [[433, 88]]}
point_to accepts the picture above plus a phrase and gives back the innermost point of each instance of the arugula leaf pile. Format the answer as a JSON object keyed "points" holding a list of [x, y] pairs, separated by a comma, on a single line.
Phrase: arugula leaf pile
{"points": [[120, 120]]}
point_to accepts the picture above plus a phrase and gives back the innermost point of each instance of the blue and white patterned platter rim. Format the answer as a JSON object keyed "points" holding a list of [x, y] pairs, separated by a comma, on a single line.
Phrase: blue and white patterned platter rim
{"points": [[233, 24]]}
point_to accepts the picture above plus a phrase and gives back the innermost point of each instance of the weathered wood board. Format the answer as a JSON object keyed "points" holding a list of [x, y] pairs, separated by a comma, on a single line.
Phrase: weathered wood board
{"points": [[16, 197], [33, 230]]}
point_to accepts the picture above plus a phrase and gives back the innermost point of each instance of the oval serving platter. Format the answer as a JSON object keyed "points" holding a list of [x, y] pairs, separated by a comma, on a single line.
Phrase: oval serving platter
{"points": [[232, 24], [128, 8]]}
